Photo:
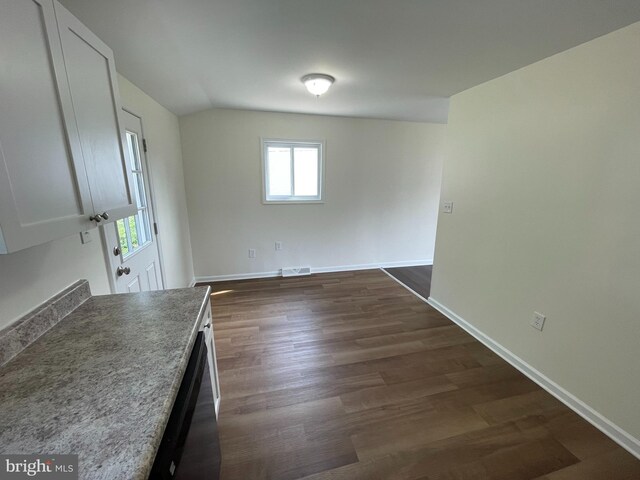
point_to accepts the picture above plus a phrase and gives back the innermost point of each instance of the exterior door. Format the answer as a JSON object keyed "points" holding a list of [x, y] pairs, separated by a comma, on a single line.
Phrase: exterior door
{"points": [[132, 245]]}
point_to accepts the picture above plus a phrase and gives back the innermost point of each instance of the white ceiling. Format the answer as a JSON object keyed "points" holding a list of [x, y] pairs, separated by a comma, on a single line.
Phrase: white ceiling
{"points": [[396, 59]]}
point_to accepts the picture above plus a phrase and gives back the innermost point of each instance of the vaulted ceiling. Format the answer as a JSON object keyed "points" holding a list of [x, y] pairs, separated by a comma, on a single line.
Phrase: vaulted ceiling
{"points": [[396, 59]]}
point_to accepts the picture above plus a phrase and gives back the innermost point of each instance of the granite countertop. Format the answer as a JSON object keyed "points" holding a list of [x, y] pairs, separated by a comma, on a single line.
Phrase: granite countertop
{"points": [[101, 383]]}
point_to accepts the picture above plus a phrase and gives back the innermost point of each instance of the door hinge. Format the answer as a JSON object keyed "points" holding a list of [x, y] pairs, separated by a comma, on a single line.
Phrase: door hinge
{"points": [[144, 145], [155, 227]]}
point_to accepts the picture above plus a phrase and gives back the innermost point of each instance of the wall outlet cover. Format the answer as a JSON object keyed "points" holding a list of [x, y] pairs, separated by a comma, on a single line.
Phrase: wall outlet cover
{"points": [[447, 207], [252, 253], [537, 321]]}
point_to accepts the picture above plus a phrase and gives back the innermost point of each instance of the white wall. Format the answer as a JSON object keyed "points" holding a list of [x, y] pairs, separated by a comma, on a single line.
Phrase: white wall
{"points": [[31, 276], [543, 165], [382, 187], [162, 133]]}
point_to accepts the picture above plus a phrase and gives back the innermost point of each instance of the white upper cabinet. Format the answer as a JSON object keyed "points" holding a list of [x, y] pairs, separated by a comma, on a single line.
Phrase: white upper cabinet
{"points": [[62, 159], [96, 102], [43, 187]]}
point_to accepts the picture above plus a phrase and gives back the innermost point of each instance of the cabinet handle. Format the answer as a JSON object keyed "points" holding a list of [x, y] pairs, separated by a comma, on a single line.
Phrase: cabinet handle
{"points": [[208, 325], [98, 217], [123, 271]]}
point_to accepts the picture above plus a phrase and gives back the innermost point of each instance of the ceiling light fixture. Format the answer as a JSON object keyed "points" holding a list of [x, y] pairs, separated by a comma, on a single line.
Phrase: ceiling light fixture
{"points": [[317, 83]]}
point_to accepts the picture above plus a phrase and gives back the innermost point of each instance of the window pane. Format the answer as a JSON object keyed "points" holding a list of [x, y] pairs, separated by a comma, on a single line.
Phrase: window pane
{"points": [[144, 227], [279, 169], [305, 171], [122, 237], [138, 187], [133, 231], [134, 151]]}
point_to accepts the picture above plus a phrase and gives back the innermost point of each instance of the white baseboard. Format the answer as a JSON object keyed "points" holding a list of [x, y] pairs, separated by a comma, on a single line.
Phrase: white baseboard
{"points": [[617, 434], [371, 266], [340, 268], [236, 276], [193, 282]]}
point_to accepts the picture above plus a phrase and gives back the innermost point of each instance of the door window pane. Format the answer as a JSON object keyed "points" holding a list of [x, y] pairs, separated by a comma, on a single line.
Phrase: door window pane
{"points": [[134, 151], [134, 232]]}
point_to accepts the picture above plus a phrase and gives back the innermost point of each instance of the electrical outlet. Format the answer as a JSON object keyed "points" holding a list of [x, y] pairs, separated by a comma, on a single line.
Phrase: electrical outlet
{"points": [[537, 321], [252, 253], [447, 207], [85, 237], [278, 246]]}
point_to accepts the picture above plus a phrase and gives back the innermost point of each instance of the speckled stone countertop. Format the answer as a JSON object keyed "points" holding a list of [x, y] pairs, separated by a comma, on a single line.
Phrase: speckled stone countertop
{"points": [[101, 383]]}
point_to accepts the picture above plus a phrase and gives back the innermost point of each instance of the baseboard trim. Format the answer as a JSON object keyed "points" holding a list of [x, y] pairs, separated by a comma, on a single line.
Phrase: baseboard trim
{"points": [[617, 434], [236, 276], [339, 268], [193, 282], [371, 266]]}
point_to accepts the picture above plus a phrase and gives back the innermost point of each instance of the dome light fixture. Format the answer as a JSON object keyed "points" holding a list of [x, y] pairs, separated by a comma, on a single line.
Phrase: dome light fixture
{"points": [[317, 83]]}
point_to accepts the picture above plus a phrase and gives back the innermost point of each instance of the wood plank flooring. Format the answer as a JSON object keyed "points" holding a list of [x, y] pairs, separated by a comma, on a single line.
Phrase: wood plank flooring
{"points": [[417, 278], [351, 376]]}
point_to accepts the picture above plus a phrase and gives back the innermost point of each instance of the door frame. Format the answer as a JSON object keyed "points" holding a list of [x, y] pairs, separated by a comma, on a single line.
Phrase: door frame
{"points": [[148, 176]]}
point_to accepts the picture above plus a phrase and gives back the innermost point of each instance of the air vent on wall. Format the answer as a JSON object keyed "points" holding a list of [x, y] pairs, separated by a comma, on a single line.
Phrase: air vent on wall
{"points": [[295, 271]]}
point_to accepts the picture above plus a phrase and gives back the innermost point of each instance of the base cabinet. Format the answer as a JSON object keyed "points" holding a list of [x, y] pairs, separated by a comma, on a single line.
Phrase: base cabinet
{"points": [[211, 358]]}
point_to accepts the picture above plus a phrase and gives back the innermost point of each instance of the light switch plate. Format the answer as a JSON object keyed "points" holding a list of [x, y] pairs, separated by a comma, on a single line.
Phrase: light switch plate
{"points": [[85, 237], [447, 207]]}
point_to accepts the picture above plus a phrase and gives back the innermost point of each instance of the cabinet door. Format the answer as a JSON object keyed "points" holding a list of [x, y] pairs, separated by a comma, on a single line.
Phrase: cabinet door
{"points": [[211, 358], [43, 188], [96, 103]]}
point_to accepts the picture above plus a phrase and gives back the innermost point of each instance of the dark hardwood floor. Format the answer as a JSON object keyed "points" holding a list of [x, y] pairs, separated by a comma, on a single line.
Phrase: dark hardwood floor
{"points": [[417, 279], [351, 376]]}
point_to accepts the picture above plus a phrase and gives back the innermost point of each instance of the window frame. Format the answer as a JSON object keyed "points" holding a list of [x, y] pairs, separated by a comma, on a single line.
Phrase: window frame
{"points": [[265, 143]]}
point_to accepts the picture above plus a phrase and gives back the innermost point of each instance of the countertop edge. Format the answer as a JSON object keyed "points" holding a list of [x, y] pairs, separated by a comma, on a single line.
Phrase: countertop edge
{"points": [[150, 455]]}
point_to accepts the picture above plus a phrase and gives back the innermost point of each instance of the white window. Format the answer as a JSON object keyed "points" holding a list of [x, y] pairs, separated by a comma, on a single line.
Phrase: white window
{"points": [[292, 171]]}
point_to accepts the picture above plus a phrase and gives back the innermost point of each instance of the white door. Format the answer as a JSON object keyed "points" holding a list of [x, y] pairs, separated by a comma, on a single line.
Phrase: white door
{"points": [[132, 245]]}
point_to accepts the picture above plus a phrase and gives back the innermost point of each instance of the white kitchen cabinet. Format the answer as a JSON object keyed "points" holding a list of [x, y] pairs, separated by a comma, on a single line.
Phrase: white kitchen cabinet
{"points": [[44, 193], [62, 159], [207, 326], [96, 103]]}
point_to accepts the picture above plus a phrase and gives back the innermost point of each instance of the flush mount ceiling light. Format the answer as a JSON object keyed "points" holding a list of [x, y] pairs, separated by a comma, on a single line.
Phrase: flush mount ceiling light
{"points": [[317, 83]]}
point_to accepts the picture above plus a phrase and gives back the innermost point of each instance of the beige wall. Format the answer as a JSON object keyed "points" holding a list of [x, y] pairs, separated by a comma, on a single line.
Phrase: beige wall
{"points": [[382, 187], [162, 133], [29, 277], [543, 167]]}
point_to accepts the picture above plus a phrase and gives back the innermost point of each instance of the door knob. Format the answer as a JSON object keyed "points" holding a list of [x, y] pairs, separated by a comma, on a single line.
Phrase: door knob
{"points": [[104, 215], [117, 251], [123, 271]]}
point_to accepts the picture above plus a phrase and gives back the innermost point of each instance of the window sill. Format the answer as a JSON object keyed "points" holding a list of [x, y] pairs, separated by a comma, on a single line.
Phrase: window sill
{"points": [[291, 202]]}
